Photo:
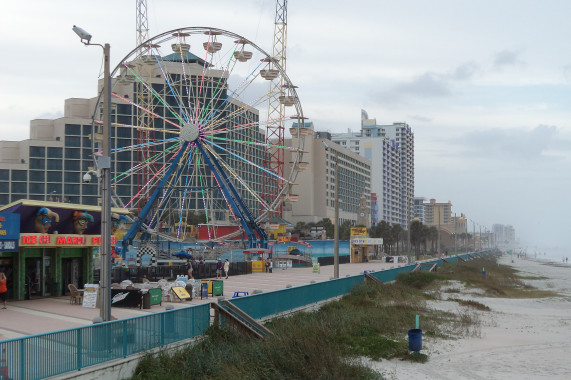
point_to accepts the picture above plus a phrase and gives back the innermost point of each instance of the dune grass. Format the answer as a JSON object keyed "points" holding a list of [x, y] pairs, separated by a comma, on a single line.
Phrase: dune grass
{"points": [[371, 321]]}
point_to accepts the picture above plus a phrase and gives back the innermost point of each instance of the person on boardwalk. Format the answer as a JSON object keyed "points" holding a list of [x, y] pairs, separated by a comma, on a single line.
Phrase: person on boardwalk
{"points": [[190, 270], [3, 289], [226, 267], [270, 266], [219, 269]]}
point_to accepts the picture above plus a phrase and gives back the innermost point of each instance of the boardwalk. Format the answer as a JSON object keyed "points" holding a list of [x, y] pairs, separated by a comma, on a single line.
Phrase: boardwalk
{"points": [[51, 314]]}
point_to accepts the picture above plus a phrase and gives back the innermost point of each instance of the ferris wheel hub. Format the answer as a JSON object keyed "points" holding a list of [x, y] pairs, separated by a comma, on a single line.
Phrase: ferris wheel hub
{"points": [[189, 132]]}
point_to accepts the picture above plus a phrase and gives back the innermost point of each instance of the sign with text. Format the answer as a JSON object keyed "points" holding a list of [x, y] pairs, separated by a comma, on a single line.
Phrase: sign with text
{"points": [[358, 231], [181, 293], [57, 240], [366, 241], [90, 295], [9, 232]]}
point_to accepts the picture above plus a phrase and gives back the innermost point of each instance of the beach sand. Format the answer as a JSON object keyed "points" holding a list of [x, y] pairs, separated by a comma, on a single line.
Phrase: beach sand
{"points": [[519, 338]]}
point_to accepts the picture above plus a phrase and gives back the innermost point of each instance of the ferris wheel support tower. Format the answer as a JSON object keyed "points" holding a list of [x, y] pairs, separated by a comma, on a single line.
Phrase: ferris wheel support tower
{"points": [[144, 122], [275, 129]]}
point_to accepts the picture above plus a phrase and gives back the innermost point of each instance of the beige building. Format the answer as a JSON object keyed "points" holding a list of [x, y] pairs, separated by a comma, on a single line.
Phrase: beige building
{"points": [[315, 184], [440, 215]]}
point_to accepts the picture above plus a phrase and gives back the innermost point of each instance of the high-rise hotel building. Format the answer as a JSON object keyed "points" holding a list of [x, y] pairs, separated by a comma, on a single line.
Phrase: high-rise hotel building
{"points": [[390, 148]]}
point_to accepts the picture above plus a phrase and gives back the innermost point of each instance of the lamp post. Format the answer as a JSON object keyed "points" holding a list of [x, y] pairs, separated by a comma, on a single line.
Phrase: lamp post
{"points": [[104, 176], [336, 225]]}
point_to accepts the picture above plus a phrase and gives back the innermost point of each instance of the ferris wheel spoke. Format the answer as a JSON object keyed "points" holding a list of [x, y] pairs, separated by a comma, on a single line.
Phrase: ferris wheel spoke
{"points": [[247, 161], [225, 119], [234, 174], [147, 111], [175, 93], [169, 186], [156, 96]]}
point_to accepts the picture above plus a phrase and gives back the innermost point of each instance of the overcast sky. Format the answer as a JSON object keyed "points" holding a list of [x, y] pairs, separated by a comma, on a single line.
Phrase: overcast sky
{"points": [[485, 85]]}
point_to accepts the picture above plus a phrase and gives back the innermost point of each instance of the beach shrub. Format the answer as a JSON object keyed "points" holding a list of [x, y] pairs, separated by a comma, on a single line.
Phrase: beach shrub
{"points": [[419, 279]]}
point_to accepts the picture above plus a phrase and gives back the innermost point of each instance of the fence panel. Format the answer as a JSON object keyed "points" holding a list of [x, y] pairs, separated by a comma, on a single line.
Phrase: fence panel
{"points": [[54, 353], [274, 302]]}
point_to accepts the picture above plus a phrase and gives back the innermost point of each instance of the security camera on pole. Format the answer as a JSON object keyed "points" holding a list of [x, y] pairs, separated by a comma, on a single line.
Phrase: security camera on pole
{"points": [[104, 175]]}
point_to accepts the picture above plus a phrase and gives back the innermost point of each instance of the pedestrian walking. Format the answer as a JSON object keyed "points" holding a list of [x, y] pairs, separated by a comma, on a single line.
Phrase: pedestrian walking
{"points": [[3, 289], [226, 267], [271, 265], [219, 268], [190, 271]]}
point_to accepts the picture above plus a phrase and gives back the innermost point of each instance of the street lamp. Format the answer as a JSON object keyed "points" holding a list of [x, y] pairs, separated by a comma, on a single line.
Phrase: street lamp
{"points": [[104, 176], [336, 225]]}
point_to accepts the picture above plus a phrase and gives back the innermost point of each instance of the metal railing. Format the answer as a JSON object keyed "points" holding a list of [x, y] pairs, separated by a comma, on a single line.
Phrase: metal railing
{"points": [[50, 354], [54, 353]]}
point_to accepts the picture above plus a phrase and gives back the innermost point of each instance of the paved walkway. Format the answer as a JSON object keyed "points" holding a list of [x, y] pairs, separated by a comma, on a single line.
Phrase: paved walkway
{"points": [[56, 313]]}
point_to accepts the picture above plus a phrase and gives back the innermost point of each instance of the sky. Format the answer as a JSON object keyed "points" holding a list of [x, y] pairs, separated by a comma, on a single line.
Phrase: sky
{"points": [[484, 85]]}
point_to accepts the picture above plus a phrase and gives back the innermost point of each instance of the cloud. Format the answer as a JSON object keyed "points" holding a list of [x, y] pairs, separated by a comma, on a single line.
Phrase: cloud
{"points": [[537, 145], [506, 58], [465, 71], [429, 84]]}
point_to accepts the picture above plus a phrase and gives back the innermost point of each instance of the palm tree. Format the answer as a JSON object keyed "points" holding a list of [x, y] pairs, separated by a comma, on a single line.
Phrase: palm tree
{"points": [[396, 231]]}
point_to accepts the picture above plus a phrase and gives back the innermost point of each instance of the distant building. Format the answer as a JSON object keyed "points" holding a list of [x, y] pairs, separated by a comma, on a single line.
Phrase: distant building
{"points": [[390, 148], [503, 234], [314, 190], [419, 208]]}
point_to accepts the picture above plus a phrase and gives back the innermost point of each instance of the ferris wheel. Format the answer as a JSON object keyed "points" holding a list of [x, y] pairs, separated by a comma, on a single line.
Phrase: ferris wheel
{"points": [[187, 137]]}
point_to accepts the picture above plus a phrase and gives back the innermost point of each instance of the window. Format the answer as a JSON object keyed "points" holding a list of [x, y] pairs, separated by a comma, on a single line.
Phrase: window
{"points": [[37, 175], [73, 177], [37, 151], [54, 176], [37, 188], [37, 163], [72, 189], [72, 141], [89, 189], [53, 188], [72, 129], [55, 164], [72, 153], [55, 152], [72, 165], [19, 187], [19, 175]]}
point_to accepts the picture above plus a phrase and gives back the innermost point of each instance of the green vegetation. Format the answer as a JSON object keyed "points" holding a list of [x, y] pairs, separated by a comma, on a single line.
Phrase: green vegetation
{"points": [[372, 321], [498, 281]]}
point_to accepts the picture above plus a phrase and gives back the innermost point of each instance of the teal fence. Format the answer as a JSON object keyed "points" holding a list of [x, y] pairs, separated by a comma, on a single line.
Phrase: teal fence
{"points": [[50, 354], [274, 302]]}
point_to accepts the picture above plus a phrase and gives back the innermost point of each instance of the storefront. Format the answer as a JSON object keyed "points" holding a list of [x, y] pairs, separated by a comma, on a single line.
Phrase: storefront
{"points": [[58, 245], [361, 245]]}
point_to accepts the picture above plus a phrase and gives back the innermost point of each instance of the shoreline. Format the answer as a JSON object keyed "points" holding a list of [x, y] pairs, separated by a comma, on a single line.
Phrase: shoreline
{"points": [[518, 339]]}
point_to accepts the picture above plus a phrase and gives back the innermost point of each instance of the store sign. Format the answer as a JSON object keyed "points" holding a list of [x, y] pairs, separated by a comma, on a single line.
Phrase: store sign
{"points": [[366, 241], [56, 240], [358, 231], [9, 232]]}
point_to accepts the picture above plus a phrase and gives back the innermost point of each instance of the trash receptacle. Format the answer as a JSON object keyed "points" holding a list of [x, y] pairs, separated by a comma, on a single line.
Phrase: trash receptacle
{"points": [[415, 339], [146, 300], [217, 288]]}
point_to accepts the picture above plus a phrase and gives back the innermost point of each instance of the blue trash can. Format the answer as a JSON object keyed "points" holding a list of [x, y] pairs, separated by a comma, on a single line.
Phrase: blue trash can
{"points": [[415, 339]]}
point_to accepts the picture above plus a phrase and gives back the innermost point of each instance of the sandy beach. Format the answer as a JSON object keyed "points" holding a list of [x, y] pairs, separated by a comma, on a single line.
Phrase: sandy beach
{"points": [[519, 338]]}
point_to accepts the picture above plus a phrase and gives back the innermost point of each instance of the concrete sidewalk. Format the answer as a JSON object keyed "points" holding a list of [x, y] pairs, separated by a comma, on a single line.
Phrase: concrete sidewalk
{"points": [[51, 314]]}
